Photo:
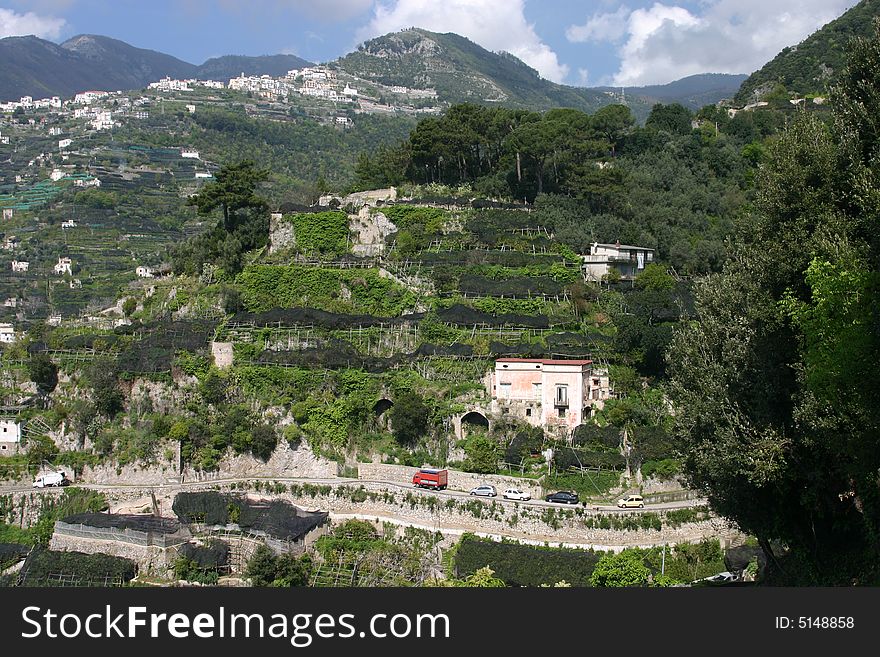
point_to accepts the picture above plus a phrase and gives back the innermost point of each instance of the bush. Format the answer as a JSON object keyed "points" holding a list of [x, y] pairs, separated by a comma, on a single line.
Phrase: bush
{"points": [[409, 418], [617, 570], [524, 565]]}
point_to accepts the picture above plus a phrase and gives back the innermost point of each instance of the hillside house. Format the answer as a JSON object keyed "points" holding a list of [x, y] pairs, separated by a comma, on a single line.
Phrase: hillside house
{"points": [[63, 266], [558, 395], [145, 272], [10, 437], [604, 259], [189, 153], [20, 266], [11, 302], [7, 213], [7, 333], [69, 223]]}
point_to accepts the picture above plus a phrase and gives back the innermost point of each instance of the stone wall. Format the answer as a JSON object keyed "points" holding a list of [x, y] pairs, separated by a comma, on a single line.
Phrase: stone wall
{"points": [[463, 481], [150, 559], [284, 463]]}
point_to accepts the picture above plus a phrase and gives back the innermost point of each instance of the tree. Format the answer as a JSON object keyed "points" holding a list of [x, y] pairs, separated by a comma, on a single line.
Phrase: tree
{"points": [[409, 417], [105, 389], [129, 306], [624, 569], [482, 454], [776, 389], [232, 190], [674, 118], [43, 372], [613, 122]]}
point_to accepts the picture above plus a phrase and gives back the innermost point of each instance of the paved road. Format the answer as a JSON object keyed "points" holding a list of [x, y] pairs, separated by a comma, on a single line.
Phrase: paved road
{"points": [[172, 486]]}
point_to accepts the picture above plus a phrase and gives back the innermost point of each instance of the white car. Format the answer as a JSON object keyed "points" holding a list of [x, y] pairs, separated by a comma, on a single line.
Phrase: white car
{"points": [[516, 494], [484, 491]]}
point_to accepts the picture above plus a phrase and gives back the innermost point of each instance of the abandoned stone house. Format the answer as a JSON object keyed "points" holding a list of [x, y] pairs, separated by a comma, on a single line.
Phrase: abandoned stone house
{"points": [[558, 395]]}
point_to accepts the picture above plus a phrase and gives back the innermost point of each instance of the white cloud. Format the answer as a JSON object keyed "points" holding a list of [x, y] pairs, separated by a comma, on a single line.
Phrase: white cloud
{"points": [[583, 77], [600, 27], [13, 24], [662, 43], [493, 24]]}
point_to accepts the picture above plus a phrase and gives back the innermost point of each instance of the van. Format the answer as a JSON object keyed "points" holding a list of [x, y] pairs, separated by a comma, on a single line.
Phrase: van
{"points": [[631, 502], [51, 479]]}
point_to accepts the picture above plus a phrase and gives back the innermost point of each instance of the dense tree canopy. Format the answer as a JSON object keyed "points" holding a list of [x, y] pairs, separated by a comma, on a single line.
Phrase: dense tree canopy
{"points": [[776, 388]]}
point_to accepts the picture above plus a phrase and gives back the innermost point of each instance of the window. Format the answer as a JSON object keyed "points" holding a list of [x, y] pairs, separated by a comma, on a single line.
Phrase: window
{"points": [[560, 411], [562, 395], [528, 414], [536, 391], [504, 390]]}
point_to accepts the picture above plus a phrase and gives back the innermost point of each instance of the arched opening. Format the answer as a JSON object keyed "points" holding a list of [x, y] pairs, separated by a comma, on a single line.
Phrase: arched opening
{"points": [[474, 420], [381, 406]]}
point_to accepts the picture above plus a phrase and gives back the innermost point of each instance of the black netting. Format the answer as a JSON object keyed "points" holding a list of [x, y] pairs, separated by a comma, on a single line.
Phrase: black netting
{"points": [[138, 522], [462, 315], [277, 518], [315, 317], [455, 349], [212, 555]]}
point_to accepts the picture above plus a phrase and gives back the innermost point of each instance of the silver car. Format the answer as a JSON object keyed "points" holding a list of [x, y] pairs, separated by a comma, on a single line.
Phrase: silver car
{"points": [[484, 491]]}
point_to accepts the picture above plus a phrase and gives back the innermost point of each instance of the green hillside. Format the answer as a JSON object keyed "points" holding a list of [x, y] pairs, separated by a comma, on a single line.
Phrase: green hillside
{"points": [[814, 64], [462, 71]]}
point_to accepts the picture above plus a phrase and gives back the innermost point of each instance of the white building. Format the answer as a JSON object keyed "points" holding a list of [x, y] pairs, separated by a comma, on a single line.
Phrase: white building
{"points": [[20, 266], [57, 174], [64, 143], [7, 333], [145, 272], [70, 223], [7, 213], [11, 302], [203, 174], [103, 120], [349, 91], [628, 261], [10, 436], [63, 266], [191, 109], [89, 97], [167, 84], [190, 153]]}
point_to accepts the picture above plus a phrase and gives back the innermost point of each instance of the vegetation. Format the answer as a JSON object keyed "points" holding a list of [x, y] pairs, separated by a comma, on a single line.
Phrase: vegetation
{"points": [[780, 431]]}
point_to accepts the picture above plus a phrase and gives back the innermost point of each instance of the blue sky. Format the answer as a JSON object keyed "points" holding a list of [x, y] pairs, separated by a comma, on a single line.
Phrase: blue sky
{"points": [[581, 42]]}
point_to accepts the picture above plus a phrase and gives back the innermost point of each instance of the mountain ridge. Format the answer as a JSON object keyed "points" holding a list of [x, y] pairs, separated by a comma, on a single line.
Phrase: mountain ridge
{"points": [[36, 67]]}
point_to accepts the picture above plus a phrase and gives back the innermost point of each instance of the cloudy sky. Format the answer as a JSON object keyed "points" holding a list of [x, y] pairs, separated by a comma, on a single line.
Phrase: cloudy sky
{"points": [[580, 42]]}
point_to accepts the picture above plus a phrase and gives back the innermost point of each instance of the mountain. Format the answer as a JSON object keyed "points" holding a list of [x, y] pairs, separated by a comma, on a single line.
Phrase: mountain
{"points": [[231, 66], [34, 67], [694, 92], [812, 65], [461, 71]]}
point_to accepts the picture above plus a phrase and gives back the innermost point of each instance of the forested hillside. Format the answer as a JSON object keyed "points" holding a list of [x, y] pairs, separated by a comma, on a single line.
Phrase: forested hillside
{"points": [[813, 65], [776, 381], [667, 185]]}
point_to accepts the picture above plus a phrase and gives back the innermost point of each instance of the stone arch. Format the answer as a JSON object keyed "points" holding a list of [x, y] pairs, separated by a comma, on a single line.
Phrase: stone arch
{"points": [[472, 419], [380, 413], [382, 406]]}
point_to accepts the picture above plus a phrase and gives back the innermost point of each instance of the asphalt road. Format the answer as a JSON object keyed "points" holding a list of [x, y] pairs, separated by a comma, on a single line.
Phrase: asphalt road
{"points": [[172, 486]]}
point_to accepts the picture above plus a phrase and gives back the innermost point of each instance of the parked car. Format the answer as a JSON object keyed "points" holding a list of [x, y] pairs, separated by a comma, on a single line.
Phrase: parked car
{"points": [[631, 502], [516, 494], [720, 578], [484, 491], [563, 497]]}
